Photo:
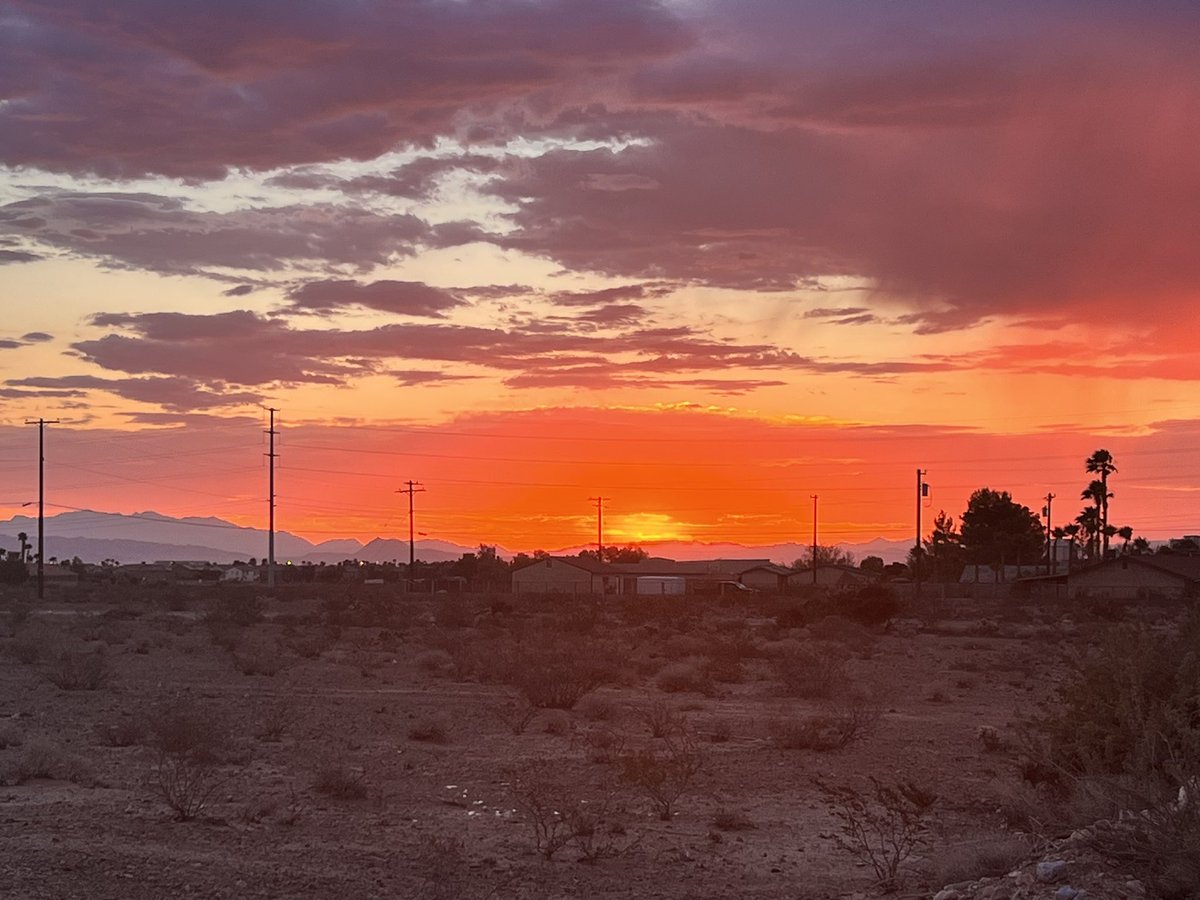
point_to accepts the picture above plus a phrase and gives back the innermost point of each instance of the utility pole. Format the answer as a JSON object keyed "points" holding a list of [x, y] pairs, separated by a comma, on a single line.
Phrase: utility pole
{"points": [[271, 454], [814, 555], [1050, 561], [41, 574], [413, 487], [599, 501], [922, 493]]}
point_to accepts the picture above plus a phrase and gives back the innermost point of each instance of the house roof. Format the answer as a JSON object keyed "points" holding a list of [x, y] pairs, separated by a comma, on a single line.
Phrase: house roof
{"points": [[664, 567], [1186, 568]]}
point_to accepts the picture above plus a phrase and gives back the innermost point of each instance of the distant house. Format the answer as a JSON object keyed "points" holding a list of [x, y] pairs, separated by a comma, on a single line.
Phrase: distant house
{"points": [[1138, 577], [829, 576], [766, 577], [584, 575]]}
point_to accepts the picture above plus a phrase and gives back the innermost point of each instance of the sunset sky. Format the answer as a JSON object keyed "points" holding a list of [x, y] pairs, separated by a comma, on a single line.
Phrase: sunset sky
{"points": [[704, 258]]}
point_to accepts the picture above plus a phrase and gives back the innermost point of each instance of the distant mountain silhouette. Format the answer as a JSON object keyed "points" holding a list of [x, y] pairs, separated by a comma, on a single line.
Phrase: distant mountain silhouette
{"points": [[151, 536]]}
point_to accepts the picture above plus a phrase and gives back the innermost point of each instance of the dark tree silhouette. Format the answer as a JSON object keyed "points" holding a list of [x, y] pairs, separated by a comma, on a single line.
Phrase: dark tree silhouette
{"points": [[1101, 463], [997, 530]]}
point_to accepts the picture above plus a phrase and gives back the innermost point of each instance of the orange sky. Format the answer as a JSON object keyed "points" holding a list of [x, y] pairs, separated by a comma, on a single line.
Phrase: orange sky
{"points": [[705, 259]]}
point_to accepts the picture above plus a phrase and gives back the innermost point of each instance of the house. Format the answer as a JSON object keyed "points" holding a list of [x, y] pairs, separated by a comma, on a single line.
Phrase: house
{"points": [[585, 575], [1163, 575], [766, 577], [829, 576]]}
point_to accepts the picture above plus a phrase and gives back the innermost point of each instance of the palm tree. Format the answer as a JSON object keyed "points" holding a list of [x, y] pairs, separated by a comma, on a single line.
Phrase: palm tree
{"points": [[1089, 526], [1101, 463], [1096, 493], [24, 539], [1125, 533]]}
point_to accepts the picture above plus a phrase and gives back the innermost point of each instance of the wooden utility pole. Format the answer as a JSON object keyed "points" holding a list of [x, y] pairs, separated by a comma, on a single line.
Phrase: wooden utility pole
{"points": [[271, 454], [922, 493], [41, 554], [1050, 561], [814, 553], [599, 501], [413, 487]]}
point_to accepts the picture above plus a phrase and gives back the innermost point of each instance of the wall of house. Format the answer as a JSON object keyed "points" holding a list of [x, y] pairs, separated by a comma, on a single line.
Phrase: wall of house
{"points": [[1129, 583], [551, 576], [761, 580]]}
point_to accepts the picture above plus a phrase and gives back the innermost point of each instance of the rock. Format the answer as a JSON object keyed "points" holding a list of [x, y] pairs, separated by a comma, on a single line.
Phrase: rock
{"points": [[1051, 871], [998, 891], [1066, 892], [948, 894]]}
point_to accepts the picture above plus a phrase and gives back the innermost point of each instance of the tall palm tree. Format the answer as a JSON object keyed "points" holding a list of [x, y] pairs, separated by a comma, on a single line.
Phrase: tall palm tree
{"points": [[1101, 463], [1089, 525], [1125, 533], [1095, 493], [24, 539]]}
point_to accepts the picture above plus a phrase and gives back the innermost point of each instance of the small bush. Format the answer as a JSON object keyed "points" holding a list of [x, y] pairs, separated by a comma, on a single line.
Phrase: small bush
{"points": [[515, 714], [834, 728], [258, 659], [662, 719], [812, 673], [430, 729], [185, 782], [436, 662], [984, 857], [10, 735], [240, 610], [557, 722], [340, 781], [127, 731], [684, 677], [41, 758], [597, 708], [664, 775], [75, 671], [882, 827], [559, 814], [274, 719], [728, 820]]}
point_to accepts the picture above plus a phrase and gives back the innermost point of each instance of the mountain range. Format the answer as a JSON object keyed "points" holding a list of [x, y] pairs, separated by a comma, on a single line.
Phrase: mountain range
{"points": [[151, 537]]}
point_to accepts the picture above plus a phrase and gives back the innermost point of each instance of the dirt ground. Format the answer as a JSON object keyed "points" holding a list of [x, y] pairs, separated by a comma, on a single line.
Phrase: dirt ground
{"points": [[358, 743]]}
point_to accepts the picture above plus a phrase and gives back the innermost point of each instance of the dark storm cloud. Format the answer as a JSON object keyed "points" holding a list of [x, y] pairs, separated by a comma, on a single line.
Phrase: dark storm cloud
{"points": [[409, 298], [159, 233]]}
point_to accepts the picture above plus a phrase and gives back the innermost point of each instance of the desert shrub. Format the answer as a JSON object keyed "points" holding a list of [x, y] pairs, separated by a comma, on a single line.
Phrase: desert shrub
{"points": [[1128, 707], [684, 677], [882, 827], [31, 645], [181, 728], [720, 731], [259, 659], [992, 740], [41, 758], [235, 609], [664, 774], [679, 646], [336, 779], [871, 604], [840, 630], [515, 714], [730, 820], [127, 731], [77, 671], [185, 782], [10, 735], [597, 708], [18, 615], [812, 673], [430, 729], [454, 612], [560, 814], [835, 727], [606, 744], [662, 718], [557, 674], [1158, 845], [557, 722], [274, 718]]}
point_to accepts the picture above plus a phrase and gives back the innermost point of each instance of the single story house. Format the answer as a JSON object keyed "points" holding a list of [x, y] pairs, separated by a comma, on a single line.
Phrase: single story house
{"points": [[584, 575], [829, 576], [1162, 575]]}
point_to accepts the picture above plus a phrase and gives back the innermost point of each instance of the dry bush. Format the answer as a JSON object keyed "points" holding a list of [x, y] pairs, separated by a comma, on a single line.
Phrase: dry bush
{"points": [[78, 671], [127, 731], [834, 727], [259, 659], [597, 708], [685, 677], [430, 729], [41, 758], [882, 827], [181, 728], [336, 779], [558, 674], [662, 718], [681, 646], [32, 645], [10, 735], [606, 744], [557, 722], [812, 673], [665, 774], [185, 782], [730, 820], [1158, 845], [238, 610], [515, 714], [274, 718], [559, 814]]}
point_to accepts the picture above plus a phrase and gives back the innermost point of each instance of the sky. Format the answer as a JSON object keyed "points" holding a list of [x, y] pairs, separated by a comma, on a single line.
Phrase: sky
{"points": [[703, 259]]}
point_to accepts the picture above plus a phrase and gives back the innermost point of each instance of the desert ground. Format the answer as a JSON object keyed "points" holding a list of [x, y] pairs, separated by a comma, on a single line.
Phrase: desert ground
{"points": [[355, 741]]}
